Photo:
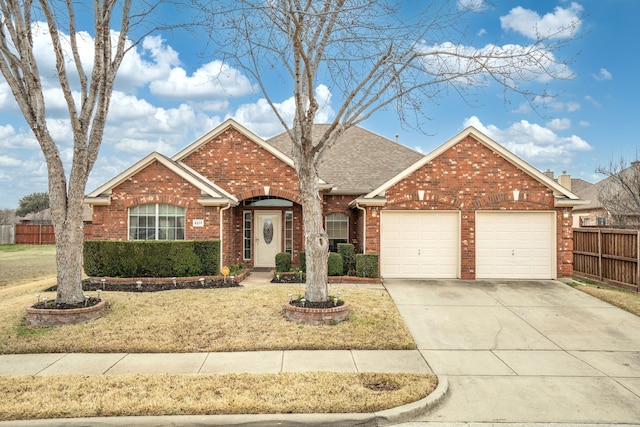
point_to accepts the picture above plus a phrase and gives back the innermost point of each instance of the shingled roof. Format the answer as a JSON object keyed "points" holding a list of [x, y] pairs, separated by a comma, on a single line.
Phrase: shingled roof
{"points": [[358, 162]]}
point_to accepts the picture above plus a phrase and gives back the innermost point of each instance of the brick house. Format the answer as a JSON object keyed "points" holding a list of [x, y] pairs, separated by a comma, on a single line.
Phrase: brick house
{"points": [[469, 209]]}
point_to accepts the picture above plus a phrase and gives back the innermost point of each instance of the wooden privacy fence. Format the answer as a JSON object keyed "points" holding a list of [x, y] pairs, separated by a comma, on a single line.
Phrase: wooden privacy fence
{"points": [[6, 234], [40, 234], [607, 255]]}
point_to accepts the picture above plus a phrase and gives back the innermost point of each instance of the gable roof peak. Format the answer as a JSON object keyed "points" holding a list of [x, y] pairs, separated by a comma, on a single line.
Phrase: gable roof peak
{"points": [[230, 123], [559, 190]]}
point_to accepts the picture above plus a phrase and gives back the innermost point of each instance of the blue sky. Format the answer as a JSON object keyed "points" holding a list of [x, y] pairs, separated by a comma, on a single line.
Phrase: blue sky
{"points": [[165, 99]]}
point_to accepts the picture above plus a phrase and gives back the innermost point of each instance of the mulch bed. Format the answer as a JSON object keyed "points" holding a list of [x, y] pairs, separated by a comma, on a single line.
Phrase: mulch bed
{"points": [[321, 304], [149, 285], [53, 305]]}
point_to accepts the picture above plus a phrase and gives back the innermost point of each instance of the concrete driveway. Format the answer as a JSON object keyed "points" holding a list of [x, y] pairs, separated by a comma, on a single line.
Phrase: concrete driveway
{"points": [[524, 351]]}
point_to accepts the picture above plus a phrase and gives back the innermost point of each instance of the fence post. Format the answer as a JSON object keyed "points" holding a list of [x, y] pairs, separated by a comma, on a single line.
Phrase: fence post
{"points": [[600, 275], [638, 261]]}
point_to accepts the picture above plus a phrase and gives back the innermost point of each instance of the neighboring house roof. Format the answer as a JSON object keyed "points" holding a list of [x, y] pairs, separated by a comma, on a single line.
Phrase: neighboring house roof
{"points": [[44, 216], [212, 195], [587, 192], [358, 161], [563, 196]]}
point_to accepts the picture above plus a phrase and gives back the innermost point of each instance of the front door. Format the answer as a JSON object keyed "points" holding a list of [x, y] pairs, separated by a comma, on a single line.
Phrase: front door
{"points": [[267, 237]]}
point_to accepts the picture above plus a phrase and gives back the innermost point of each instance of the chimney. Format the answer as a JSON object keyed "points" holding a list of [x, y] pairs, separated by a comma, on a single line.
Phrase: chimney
{"points": [[549, 173], [397, 136], [565, 180]]}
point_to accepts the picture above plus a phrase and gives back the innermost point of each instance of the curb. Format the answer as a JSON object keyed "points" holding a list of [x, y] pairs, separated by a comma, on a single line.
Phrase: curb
{"points": [[386, 417], [412, 410]]}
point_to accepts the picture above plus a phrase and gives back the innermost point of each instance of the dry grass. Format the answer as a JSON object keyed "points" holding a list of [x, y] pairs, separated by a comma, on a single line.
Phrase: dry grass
{"points": [[207, 320], [25, 263], [235, 319], [125, 395], [629, 301]]}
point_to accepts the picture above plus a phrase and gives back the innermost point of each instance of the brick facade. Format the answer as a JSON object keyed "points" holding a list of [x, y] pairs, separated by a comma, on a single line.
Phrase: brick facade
{"points": [[468, 177], [154, 184]]}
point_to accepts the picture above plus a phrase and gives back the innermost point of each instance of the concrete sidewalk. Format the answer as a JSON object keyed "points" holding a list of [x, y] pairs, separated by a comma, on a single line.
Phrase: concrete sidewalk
{"points": [[256, 362]]}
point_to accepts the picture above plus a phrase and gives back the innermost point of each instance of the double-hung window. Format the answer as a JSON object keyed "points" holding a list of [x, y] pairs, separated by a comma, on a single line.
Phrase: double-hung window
{"points": [[156, 222], [337, 226]]}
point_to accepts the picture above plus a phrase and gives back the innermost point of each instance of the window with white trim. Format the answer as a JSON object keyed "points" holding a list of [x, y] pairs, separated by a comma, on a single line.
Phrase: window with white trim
{"points": [[288, 232], [337, 226], [156, 222], [246, 233]]}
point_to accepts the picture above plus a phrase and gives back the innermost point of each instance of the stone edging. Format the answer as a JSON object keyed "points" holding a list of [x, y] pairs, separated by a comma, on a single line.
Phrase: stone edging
{"points": [[316, 316], [47, 317]]}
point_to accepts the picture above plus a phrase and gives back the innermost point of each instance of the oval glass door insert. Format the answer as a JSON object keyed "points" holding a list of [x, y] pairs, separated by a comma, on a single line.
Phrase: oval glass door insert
{"points": [[267, 230]]}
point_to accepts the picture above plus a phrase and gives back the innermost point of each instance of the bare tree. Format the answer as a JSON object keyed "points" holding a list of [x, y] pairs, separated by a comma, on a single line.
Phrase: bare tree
{"points": [[87, 97], [371, 55], [8, 216], [619, 193]]}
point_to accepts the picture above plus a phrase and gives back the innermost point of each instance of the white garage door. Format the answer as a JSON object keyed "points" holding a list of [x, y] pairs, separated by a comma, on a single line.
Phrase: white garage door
{"points": [[418, 244], [515, 245]]}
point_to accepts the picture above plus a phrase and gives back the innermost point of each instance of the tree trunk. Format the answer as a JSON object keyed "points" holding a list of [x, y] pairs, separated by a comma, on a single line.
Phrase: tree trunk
{"points": [[316, 241], [69, 248], [68, 226]]}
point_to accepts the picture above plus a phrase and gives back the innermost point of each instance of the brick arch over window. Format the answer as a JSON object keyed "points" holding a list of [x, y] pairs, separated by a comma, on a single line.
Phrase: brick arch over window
{"points": [[165, 199], [274, 192], [525, 198]]}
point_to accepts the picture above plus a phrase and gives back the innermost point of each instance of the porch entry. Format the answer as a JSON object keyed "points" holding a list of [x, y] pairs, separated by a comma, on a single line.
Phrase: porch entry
{"points": [[267, 237]]}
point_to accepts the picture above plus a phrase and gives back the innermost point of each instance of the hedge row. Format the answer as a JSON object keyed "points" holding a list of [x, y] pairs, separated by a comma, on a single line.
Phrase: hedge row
{"points": [[343, 263], [151, 258]]}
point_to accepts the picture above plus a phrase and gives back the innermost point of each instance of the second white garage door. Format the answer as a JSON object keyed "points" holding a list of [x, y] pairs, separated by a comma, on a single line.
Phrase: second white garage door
{"points": [[515, 245], [418, 244]]}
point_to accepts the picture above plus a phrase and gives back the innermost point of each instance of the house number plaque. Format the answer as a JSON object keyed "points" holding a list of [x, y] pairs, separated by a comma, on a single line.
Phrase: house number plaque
{"points": [[198, 222]]}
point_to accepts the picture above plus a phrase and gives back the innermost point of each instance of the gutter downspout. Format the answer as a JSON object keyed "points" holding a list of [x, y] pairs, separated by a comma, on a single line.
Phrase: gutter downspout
{"points": [[221, 236], [364, 228]]}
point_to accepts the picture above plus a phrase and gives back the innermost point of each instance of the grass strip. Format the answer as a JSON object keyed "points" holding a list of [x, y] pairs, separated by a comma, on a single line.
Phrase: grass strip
{"points": [[40, 397]]}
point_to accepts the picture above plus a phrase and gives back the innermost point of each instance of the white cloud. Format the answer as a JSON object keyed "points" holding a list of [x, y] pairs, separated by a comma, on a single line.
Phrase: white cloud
{"points": [[9, 161], [213, 80], [593, 101], [471, 5], [140, 146], [559, 124], [562, 23], [603, 75], [536, 144], [511, 62], [260, 118]]}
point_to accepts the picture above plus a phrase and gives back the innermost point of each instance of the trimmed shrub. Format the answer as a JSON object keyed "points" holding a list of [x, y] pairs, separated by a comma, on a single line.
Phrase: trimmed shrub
{"points": [[283, 262], [151, 258], [334, 267], [302, 259], [367, 265], [208, 252], [348, 254]]}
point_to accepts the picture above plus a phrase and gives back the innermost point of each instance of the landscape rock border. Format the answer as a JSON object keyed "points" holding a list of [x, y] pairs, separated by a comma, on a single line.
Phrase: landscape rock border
{"points": [[50, 317]]}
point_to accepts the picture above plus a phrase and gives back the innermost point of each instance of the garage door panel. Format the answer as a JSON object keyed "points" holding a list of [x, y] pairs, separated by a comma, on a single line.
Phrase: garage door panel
{"points": [[419, 244], [515, 245]]}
